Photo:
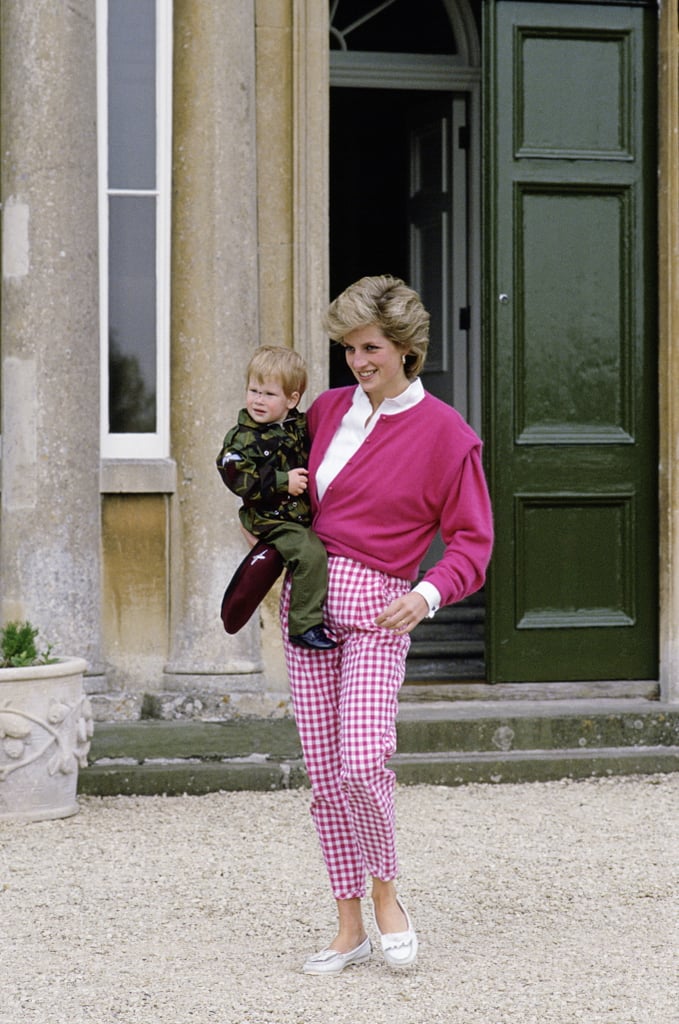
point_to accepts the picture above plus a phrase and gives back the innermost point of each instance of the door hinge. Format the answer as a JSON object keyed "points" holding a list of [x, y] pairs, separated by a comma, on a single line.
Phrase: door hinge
{"points": [[463, 136], [465, 318]]}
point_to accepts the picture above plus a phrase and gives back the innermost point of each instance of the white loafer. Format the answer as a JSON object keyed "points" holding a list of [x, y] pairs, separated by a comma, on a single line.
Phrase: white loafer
{"points": [[329, 961], [399, 948]]}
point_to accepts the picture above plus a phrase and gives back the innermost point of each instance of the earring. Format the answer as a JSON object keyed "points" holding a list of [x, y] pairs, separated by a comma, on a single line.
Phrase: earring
{"points": [[403, 359]]}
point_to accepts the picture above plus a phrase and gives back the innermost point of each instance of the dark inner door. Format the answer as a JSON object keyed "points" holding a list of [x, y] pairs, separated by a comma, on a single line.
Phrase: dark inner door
{"points": [[371, 213], [368, 193]]}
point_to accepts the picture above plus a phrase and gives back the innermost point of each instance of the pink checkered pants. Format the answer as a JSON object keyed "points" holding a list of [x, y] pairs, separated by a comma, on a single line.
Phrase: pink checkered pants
{"points": [[345, 703]]}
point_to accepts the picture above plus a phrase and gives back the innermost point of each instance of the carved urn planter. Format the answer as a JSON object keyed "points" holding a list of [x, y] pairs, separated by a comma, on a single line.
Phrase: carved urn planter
{"points": [[45, 731]]}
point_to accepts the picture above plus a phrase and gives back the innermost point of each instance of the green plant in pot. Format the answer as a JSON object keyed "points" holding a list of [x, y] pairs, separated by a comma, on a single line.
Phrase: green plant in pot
{"points": [[45, 727], [18, 648]]}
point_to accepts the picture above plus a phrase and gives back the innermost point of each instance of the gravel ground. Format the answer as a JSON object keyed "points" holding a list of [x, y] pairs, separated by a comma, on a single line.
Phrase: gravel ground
{"points": [[546, 902]]}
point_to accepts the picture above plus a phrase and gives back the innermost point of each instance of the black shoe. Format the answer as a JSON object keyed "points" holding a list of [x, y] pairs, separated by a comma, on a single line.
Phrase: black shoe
{"points": [[316, 638]]}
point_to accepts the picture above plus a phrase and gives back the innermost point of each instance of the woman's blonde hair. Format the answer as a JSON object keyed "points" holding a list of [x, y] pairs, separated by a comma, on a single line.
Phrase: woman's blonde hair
{"points": [[387, 303], [276, 362]]}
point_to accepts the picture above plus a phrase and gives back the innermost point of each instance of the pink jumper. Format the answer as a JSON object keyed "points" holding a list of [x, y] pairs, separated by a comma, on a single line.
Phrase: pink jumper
{"points": [[418, 471]]}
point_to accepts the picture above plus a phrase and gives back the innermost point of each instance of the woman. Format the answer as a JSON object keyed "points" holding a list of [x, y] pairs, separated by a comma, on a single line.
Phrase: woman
{"points": [[390, 465]]}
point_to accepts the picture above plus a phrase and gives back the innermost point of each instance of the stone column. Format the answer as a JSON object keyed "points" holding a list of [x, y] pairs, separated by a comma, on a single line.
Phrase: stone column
{"points": [[669, 349], [214, 328], [311, 57], [292, 205], [275, 142], [292, 175], [50, 547]]}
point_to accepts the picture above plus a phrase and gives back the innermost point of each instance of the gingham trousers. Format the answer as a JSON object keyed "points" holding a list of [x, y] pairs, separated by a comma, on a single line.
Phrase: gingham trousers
{"points": [[345, 703]]}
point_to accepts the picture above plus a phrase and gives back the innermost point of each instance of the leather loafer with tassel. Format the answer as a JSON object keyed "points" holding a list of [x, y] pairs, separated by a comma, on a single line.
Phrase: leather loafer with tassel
{"points": [[399, 948], [329, 961]]}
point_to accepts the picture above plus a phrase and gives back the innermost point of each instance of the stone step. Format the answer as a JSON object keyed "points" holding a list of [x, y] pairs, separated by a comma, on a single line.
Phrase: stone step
{"points": [[458, 769], [468, 726], [258, 773], [445, 669], [445, 743], [451, 645], [462, 647], [459, 620]]}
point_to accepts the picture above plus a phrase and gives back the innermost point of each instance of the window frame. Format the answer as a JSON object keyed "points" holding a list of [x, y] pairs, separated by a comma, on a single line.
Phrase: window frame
{"points": [[152, 445]]}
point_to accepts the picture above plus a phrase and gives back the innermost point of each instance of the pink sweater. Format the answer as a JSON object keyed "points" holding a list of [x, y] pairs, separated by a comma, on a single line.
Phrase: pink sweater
{"points": [[417, 471]]}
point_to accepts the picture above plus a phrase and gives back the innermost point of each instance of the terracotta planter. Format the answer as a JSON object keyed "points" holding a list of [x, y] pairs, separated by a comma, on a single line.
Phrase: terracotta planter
{"points": [[45, 731]]}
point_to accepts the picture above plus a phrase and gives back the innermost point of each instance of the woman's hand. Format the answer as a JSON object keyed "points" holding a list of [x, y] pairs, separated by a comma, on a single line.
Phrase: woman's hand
{"points": [[403, 614]]}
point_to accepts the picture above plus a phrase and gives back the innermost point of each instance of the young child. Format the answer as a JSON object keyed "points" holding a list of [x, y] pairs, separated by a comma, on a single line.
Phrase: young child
{"points": [[263, 460]]}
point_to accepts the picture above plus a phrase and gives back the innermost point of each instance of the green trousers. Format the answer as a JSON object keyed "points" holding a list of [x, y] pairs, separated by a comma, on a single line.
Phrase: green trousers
{"points": [[306, 559]]}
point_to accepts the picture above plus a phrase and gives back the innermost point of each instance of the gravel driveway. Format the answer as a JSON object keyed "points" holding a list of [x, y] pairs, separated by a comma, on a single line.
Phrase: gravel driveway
{"points": [[541, 903]]}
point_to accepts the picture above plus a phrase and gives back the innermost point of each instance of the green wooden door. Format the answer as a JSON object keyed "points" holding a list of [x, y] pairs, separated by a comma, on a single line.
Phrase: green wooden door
{"points": [[571, 340]]}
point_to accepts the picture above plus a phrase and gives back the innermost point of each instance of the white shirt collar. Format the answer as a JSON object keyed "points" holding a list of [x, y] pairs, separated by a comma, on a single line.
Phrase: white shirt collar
{"points": [[413, 394]]}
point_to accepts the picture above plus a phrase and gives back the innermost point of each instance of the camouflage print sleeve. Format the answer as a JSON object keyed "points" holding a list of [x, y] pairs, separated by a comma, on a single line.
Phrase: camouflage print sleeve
{"points": [[251, 480]]}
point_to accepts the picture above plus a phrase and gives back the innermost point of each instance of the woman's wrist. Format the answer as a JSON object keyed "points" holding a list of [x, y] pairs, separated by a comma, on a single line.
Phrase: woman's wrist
{"points": [[431, 595]]}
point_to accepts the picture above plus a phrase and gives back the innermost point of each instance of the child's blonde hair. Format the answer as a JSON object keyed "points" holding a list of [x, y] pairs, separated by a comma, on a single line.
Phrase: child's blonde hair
{"points": [[276, 362]]}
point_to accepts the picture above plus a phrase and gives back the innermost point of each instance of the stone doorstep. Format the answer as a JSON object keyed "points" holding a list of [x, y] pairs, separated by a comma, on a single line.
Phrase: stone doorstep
{"points": [[441, 744], [175, 778], [536, 725], [456, 769]]}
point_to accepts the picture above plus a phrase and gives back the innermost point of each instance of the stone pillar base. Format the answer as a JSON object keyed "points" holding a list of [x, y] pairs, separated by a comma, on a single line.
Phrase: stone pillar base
{"points": [[243, 679]]}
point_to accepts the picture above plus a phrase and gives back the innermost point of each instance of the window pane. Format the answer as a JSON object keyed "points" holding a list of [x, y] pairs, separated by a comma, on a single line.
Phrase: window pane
{"points": [[132, 314], [132, 94], [404, 26]]}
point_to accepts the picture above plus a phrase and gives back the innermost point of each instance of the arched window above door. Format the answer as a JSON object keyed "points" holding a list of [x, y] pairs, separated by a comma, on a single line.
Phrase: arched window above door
{"points": [[442, 27], [392, 26]]}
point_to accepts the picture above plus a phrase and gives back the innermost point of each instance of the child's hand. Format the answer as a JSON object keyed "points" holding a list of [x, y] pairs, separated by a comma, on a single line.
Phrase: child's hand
{"points": [[298, 481]]}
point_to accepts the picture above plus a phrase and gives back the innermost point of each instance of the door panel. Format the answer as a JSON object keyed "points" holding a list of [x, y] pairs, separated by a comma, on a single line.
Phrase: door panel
{"points": [[571, 394], [570, 293]]}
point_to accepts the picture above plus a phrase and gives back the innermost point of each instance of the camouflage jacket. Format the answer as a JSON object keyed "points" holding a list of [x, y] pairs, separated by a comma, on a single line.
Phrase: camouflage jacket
{"points": [[254, 463]]}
